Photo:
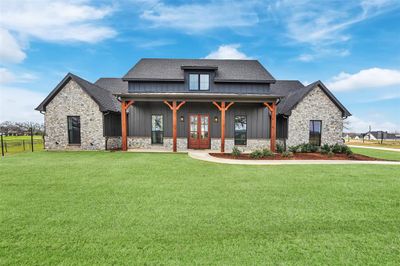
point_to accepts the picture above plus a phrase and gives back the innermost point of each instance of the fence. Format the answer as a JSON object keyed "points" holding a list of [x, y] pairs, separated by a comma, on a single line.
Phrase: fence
{"points": [[20, 144]]}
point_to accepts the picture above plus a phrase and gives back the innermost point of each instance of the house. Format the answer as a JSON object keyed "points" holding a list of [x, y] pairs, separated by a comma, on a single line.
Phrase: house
{"points": [[381, 135], [190, 103]]}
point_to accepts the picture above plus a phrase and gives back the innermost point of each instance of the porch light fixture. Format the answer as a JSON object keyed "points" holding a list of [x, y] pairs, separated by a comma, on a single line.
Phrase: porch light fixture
{"points": [[215, 119], [181, 118]]}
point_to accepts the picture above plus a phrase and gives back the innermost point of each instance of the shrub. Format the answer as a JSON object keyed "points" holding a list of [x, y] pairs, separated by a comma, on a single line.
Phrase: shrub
{"points": [[287, 154], [325, 149], [280, 148], [236, 152], [338, 148], [331, 154], [307, 147], [257, 154], [267, 153], [294, 149]]}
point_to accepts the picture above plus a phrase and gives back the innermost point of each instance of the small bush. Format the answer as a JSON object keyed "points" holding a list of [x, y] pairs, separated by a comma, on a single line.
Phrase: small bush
{"points": [[307, 147], [287, 154], [236, 152], [267, 153], [330, 154], [294, 149], [325, 149], [336, 148], [257, 154], [280, 148]]}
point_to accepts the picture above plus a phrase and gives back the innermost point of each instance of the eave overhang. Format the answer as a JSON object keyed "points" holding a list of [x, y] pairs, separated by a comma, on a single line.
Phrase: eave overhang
{"points": [[200, 97]]}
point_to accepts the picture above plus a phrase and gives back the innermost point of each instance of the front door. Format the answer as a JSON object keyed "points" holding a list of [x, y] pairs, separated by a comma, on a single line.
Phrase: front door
{"points": [[199, 128]]}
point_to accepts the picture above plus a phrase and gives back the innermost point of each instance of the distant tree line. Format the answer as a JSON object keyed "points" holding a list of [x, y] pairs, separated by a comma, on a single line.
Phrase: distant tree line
{"points": [[9, 128]]}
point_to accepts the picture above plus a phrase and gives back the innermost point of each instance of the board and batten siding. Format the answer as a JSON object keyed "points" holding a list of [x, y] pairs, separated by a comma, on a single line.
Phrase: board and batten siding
{"points": [[258, 123], [242, 88]]}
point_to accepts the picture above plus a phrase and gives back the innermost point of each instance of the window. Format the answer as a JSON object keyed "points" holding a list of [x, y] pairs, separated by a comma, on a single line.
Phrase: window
{"points": [[157, 129], [74, 129], [240, 130], [199, 82], [315, 132]]}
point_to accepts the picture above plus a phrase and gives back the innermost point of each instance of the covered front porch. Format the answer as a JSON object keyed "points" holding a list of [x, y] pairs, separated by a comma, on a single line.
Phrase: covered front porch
{"points": [[198, 120]]}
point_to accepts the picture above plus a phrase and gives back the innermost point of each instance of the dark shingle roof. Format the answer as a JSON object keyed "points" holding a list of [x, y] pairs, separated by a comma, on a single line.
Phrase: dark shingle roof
{"points": [[294, 91], [102, 96], [227, 70], [114, 85]]}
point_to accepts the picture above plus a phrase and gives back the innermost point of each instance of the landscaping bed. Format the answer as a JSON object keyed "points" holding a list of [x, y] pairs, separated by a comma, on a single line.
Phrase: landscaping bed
{"points": [[298, 156]]}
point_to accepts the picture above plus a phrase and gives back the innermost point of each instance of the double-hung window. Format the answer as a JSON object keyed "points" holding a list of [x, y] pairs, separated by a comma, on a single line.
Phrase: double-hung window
{"points": [[315, 132], [199, 82], [240, 130], [157, 129], [74, 129]]}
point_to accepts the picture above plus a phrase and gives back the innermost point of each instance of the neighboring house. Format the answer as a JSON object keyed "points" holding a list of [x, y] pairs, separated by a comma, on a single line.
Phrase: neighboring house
{"points": [[381, 135], [348, 136], [190, 103]]}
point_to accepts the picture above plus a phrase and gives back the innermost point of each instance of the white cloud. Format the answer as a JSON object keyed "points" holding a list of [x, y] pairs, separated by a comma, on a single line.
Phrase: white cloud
{"points": [[56, 20], [366, 78], [48, 20], [203, 16], [6, 76], [228, 51], [17, 104], [10, 50], [359, 125], [323, 25]]}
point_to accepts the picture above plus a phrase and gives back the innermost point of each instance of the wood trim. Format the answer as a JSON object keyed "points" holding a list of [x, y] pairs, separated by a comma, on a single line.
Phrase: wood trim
{"points": [[272, 108], [124, 106], [174, 107], [223, 108], [216, 104]]}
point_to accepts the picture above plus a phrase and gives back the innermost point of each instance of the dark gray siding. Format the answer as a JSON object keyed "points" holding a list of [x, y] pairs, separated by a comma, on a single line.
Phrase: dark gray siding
{"points": [[183, 87], [139, 119], [112, 125]]}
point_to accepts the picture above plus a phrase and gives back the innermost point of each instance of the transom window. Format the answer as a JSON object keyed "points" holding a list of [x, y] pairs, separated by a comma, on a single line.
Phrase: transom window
{"points": [[240, 130], [74, 129], [199, 82], [157, 129], [315, 132]]}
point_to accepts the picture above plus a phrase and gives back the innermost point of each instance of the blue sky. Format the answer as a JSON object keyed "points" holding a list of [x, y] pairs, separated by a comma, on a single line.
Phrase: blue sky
{"points": [[352, 46]]}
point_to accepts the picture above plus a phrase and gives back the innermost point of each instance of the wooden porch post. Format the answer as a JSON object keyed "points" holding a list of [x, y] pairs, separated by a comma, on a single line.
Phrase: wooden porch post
{"points": [[124, 106], [174, 107], [272, 108], [223, 109]]}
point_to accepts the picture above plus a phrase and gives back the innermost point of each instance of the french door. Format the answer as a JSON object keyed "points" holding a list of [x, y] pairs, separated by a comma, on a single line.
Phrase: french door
{"points": [[199, 128]]}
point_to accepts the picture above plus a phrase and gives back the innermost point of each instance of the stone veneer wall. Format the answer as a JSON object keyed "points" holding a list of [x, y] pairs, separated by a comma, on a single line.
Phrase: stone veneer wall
{"points": [[315, 106], [73, 101]]}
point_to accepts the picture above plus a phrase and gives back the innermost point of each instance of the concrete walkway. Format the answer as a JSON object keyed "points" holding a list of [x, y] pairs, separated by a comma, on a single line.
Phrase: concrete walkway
{"points": [[204, 156], [374, 148]]}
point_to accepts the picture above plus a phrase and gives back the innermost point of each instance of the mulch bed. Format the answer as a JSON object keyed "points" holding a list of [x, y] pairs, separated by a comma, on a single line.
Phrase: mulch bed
{"points": [[300, 156]]}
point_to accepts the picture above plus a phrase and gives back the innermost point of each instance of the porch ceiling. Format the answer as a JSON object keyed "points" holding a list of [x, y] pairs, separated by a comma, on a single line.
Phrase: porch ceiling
{"points": [[199, 97]]}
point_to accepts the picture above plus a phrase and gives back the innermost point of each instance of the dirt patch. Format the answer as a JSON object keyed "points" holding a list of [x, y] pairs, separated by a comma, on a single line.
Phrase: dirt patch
{"points": [[300, 156]]}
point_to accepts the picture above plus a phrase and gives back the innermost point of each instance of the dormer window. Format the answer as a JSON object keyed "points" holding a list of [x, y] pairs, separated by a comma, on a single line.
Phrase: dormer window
{"points": [[199, 82]]}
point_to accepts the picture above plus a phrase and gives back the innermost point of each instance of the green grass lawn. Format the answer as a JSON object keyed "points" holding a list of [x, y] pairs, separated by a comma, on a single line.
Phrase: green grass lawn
{"points": [[127, 208], [16, 144], [380, 154]]}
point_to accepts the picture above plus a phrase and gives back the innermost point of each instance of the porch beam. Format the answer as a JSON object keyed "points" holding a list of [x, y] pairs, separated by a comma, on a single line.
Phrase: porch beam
{"points": [[174, 107], [223, 108], [124, 106], [272, 108]]}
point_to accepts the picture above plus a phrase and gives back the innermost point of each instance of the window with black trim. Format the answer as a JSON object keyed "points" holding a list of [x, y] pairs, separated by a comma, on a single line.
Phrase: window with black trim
{"points": [[74, 129], [199, 82], [157, 129], [315, 132], [240, 130]]}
